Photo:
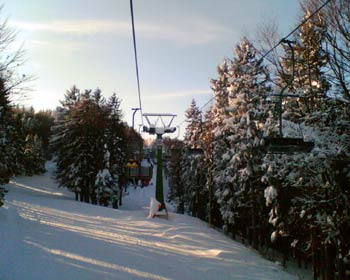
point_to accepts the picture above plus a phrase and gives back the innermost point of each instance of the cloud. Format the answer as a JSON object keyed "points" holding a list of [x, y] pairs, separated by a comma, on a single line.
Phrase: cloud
{"points": [[186, 32], [194, 31], [81, 27], [68, 46], [176, 94]]}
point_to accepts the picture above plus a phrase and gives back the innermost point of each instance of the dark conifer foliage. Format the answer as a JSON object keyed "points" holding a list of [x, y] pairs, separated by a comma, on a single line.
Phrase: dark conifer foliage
{"points": [[7, 156], [22, 150], [11, 83], [174, 148], [43, 122], [194, 169], [89, 145], [116, 135], [30, 152]]}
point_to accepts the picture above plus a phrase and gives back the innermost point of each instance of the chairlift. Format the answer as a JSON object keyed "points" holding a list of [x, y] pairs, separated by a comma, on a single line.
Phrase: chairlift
{"points": [[287, 145], [196, 151]]}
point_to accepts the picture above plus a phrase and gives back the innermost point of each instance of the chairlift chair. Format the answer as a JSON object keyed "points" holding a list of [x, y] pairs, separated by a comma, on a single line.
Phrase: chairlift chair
{"points": [[287, 145], [196, 151]]}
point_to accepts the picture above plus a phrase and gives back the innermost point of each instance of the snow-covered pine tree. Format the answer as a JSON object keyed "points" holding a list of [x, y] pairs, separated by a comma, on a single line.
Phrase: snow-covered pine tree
{"points": [[220, 146], [214, 215], [174, 149], [87, 124], [306, 191], [104, 185], [29, 153], [194, 169], [116, 142], [194, 126], [18, 136], [241, 195], [63, 137], [106, 188], [194, 182]]}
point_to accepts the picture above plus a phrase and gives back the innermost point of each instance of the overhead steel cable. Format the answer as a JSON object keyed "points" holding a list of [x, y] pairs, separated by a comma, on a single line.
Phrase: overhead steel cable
{"points": [[275, 46], [136, 62]]}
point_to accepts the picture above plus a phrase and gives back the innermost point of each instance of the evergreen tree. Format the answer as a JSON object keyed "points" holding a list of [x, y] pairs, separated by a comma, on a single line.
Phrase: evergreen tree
{"points": [[34, 156], [193, 178], [220, 145], [207, 137], [6, 149], [62, 141], [117, 144], [241, 193], [302, 186], [29, 153], [88, 122], [105, 185], [42, 124], [11, 83], [194, 126], [18, 136], [194, 168], [176, 187], [89, 143], [306, 189]]}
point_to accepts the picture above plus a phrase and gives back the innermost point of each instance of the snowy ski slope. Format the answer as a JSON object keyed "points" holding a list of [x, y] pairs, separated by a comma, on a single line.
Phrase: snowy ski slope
{"points": [[46, 234]]}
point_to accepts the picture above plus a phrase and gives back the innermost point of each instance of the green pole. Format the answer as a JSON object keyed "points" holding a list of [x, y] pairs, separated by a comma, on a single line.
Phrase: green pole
{"points": [[159, 180]]}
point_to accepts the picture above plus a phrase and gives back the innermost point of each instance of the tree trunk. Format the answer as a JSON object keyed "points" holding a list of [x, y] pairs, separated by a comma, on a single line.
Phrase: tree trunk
{"points": [[120, 195], [314, 254]]}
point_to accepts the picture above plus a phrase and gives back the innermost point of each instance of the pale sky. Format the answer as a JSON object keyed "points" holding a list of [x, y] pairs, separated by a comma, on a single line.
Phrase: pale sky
{"points": [[179, 42]]}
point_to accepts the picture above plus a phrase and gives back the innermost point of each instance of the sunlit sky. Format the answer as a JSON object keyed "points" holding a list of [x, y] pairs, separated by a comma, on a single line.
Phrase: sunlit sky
{"points": [[179, 42]]}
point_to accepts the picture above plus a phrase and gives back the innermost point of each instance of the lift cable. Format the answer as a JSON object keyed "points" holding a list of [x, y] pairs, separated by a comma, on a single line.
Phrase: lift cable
{"points": [[275, 46], [136, 62]]}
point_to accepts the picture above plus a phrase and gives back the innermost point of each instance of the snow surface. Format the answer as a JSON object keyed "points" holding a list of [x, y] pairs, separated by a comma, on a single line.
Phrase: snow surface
{"points": [[46, 234]]}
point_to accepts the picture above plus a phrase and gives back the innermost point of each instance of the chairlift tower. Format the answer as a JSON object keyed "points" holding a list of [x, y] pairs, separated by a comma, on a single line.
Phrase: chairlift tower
{"points": [[159, 127]]}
